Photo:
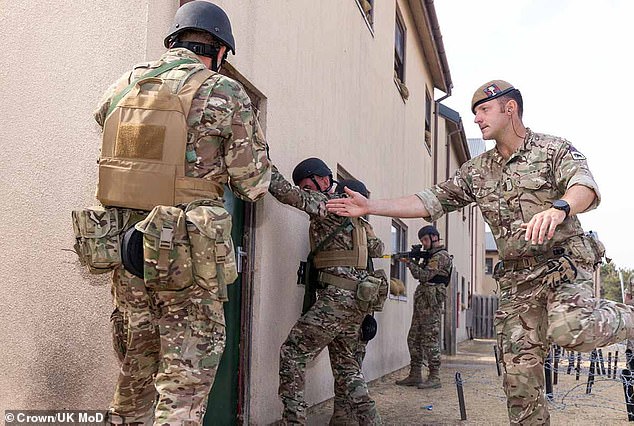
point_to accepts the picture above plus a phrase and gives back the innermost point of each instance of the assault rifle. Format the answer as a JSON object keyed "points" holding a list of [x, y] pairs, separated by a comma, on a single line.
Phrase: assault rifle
{"points": [[416, 253]]}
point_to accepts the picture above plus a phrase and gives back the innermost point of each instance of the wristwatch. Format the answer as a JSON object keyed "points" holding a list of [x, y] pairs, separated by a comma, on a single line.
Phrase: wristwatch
{"points": [[562, 205]]}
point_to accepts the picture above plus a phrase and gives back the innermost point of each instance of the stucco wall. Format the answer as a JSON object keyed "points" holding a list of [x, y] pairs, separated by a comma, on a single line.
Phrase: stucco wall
{"points": [[58, 58], [330, 94], [329, 89]]}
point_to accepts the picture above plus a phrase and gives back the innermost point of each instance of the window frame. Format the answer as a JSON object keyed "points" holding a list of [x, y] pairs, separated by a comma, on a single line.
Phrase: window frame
{"points": [[401, 230], [399, 23], [369, 21], [428, 119], [488, 266]]}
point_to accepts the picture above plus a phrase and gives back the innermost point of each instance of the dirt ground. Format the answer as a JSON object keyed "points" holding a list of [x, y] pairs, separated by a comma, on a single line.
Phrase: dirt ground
{"points": [[484, 399]]}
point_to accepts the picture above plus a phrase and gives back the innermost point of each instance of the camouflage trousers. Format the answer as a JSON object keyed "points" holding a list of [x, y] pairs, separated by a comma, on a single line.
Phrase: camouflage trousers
{"points": [[552, 302], [333, 321], [343, 409], [169, 346], [423, 339]]}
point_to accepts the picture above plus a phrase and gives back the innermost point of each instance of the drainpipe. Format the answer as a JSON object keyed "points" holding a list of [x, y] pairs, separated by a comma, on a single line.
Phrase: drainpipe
{"points": [[435, 153], [447, 161]]}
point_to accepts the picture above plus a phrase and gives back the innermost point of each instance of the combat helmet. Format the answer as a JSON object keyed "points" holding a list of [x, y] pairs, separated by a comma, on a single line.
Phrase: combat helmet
{"points": [[428, 230], [201, 16], [309, 168], [355, 185]]}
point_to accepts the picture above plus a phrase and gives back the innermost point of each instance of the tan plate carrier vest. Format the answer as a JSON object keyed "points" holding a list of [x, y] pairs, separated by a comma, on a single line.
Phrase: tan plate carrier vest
{"points": [[142, 162], [357, 257]]}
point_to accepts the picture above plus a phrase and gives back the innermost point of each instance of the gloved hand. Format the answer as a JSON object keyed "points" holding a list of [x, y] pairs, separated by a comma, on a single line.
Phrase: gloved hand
{"points": [[561, 270]]}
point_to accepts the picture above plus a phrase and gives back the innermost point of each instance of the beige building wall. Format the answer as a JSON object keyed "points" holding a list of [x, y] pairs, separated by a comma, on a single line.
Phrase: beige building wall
{"points": [[490, 285], [56, 348], [58, 58]]}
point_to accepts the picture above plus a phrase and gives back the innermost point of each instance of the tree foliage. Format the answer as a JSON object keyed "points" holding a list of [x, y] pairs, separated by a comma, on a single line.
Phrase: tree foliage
{"points": [[611, 281]]}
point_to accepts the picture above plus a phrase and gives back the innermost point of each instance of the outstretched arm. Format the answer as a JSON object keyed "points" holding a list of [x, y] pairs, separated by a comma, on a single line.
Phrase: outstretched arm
{"points": [[357, 205]]}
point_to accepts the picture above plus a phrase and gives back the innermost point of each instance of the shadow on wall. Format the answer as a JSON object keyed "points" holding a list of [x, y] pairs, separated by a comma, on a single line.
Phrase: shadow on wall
{"points": [[73, 365]]}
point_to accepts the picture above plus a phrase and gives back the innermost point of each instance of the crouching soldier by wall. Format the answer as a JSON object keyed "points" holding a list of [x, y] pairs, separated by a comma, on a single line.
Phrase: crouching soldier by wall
{"points": [[433, 273], [339, 254]]}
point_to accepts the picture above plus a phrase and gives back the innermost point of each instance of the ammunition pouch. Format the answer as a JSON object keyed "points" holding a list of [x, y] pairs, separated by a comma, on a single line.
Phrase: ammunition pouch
{"points": [[213, 257], [372, 292], [384, 289], [98, 232], [166, 250]]}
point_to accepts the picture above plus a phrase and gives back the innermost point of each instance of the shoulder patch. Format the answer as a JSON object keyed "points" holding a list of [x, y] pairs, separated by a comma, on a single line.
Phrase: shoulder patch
{"points": [[576, 154]]}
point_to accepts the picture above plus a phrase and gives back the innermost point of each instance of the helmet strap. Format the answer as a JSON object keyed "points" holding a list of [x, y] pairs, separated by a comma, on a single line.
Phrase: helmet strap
{"points": [[202, 49]]}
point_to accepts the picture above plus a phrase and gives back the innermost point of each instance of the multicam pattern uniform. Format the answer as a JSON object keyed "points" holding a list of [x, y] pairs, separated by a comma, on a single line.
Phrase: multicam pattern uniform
{"points": [[423, 339], [547, 298], [333, 321], [174, 340]]}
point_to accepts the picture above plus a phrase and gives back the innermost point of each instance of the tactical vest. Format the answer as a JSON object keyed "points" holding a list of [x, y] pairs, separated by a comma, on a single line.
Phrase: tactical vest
{"points": [[437, 279], [357, 257], [142, 163]]}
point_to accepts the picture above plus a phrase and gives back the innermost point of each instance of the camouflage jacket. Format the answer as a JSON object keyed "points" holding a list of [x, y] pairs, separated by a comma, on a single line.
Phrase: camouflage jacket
{"points": [[439, 263], [323, 223], [224, 140], [511, 192]]}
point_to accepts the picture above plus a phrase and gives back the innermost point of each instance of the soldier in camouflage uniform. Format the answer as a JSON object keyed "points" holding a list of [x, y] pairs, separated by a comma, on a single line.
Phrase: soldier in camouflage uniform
{"points": [[170, 343], [334, 320], [530, 188], [423, 340]]}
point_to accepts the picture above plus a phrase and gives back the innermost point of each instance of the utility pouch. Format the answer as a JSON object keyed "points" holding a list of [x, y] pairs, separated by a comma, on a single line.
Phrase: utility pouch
{"points": [[166, 251], [368, 293], [213, 257], [98, 237], [384, 288]]}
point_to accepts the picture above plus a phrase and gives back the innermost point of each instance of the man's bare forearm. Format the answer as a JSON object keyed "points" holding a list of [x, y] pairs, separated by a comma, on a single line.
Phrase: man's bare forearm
{"points": [[579, 197], [408, 207]]}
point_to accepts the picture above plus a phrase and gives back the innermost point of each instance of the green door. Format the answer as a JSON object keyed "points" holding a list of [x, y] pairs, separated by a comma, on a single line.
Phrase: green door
{"points": [[222, 407]]}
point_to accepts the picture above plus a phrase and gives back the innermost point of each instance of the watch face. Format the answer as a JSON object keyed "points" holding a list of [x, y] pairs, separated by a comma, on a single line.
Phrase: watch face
{"points": [[561, 205]]}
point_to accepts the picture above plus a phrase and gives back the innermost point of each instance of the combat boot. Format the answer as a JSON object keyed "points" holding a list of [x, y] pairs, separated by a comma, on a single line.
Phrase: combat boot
{"points": [[433, 381], [415, 378], [341, 415]]}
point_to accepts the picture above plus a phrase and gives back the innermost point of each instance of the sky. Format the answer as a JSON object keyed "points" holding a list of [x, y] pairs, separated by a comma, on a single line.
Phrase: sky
{"points": [[572, 61]]}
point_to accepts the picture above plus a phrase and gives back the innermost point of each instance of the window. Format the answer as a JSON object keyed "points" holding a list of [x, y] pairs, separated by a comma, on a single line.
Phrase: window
{"points": [[398, 244], [488, 265], [367, 9], [428, 104], [399, 49]]}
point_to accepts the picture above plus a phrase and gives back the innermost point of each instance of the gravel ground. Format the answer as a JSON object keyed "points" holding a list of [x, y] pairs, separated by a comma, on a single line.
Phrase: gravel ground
{"points": [[484, 399]]}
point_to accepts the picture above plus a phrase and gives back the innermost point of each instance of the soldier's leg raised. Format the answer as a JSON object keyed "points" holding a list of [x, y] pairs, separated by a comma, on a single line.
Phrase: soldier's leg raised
{"points": [[521, 324], [578, 321], [192, 343], [349, 379], [135, 394]]}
